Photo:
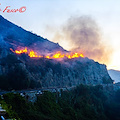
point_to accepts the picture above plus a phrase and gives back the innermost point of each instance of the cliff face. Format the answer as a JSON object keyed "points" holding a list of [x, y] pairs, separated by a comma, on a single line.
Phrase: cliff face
{"points": [[53, 73], [72, 73]]}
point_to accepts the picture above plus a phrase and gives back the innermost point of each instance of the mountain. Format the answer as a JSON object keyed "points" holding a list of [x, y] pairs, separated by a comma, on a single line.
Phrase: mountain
{"points": [[19, 71], [115, 75], [12, 36]]}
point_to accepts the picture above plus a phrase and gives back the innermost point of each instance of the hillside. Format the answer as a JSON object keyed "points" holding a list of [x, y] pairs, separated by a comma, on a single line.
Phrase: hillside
{"points": [[13, 36], [20, 71]]}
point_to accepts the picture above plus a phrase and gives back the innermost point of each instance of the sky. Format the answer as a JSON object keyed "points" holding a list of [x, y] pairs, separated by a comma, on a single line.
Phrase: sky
{"points": [[46, 17]]}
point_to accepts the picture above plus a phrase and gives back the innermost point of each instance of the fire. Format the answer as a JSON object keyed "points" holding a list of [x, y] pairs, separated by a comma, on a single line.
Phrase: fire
{"points": [[57, 55], [75, 55], [33, 54], [70, 56], [21, 51], [47, 57]]}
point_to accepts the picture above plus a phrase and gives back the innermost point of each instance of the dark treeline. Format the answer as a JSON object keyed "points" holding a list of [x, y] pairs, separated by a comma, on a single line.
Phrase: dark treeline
{"points": [[82, 103]]}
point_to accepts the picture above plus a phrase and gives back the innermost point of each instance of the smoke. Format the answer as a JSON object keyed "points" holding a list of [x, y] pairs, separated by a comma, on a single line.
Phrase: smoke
{"points": [[82, 34]]}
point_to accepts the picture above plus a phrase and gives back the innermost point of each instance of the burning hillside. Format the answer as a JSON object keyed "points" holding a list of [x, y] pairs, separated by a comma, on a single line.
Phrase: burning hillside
{"points": [[57, 55], [23, 73]]}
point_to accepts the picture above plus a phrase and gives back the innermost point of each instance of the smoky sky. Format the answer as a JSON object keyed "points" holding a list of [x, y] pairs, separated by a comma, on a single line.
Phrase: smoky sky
{"points": [[83, 35]]}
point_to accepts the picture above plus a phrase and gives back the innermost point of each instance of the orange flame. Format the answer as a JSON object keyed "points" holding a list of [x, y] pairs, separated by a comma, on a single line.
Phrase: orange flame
{"points": [[47, 56], [75, 55], [70, 56], [33, 54], [21, 51], [57, 55]]}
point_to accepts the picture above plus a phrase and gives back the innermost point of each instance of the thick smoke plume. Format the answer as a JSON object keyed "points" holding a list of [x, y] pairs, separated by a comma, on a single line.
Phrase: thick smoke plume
{"points": [[82, 34]]}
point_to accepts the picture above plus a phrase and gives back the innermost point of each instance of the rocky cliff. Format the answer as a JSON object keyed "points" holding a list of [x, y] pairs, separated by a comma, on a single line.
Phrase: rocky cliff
{"points": [[44, 72]]}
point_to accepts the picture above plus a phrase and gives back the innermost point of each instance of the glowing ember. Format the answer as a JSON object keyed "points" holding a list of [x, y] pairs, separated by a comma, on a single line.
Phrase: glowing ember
{"points": [[57, 55]]}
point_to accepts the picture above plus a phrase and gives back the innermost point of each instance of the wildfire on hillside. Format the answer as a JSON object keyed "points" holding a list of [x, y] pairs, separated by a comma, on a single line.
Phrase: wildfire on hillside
{"points": [[57, 55]]}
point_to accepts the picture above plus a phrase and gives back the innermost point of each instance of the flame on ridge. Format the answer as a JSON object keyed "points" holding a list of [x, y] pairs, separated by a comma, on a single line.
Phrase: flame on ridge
{"points": [[57, 55], [19, 51]]}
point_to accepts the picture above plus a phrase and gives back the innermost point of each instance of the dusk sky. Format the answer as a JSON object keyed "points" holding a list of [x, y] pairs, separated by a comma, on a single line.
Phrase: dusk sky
{"points": [[46, 17]]}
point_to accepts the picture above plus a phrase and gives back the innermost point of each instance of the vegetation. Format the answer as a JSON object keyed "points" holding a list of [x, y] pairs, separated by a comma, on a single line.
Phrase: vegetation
{"points": [[16, 79], [16, 76], [82, 103]]}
